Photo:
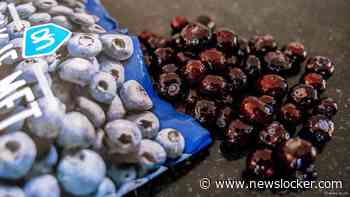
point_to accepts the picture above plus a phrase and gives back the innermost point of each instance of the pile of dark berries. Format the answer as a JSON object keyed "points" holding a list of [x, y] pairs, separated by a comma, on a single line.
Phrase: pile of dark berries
{"points": [[238, 89]]}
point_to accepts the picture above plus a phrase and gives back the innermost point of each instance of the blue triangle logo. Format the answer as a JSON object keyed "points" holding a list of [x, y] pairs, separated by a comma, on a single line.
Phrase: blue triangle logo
{"points": [[42, 40]]}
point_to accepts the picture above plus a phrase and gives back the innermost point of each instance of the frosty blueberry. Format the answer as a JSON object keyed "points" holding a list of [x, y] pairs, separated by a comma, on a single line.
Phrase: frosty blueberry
{"points": [[92, 111], [172, 141], [84, 45], [81, 173], [117, 46], [116, 109], [151, 155], [11, 191], [102, 87], [77, 131], [135, 97], [147, 122], [42, 186], [45, 4], [106, 189], [122, 136], [25, 10], [18, 153], [122, 173], [84, 19], [114, 68]]}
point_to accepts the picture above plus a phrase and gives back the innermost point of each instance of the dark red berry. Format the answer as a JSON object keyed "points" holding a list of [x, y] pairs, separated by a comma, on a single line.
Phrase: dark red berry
{"points": [[181, 58], [192, 97], [145, 35], [155, 42], [261, 164], [295, 155], [318, 130], [315, 80], [256, 111], [252, 67], [177, 42], [213, 85], [321, 65], [327, 107], [237, 79], [243, 48], [178, 23], [214, 59], [273, 85], [206, 21], [269, 100], [273, 135], [194, 71], [233, 61], [205, 112], [297, 54], [290, 115], [169, 68], [304, 96], [263, 43], [195, 36], [226, 41], [224, 116], [164, 56], [277, 62], [238, 134], [170, 86]]}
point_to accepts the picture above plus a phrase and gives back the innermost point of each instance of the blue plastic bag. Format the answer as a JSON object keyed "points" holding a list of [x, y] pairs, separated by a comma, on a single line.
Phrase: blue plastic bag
{"points": [[197, 138]]}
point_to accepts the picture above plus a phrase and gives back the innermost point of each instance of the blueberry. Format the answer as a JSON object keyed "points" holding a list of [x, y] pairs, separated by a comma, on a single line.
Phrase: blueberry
{"points": [[18, 153], [81, 173], [106, 189], [25, 10], [147, 122], [42, 186], [45, 4], [46, 164], [61, 20], [117, 46], [135, 97], [114, 68], [151, 155], [122, 136], [77, 131], [103, 87], [77, 70], [121, 174], [116, 109], [92, 111], [172, 141], [83, 18], [84, 45], [11, 191]]}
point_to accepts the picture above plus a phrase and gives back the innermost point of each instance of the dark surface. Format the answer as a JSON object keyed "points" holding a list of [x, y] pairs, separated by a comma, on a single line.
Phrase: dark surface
{"points": [[324, 27]]}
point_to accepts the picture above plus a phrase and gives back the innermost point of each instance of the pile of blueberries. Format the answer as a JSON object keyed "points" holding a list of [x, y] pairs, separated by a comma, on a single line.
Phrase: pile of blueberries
{"points": [[97, 132], [238, 89]]}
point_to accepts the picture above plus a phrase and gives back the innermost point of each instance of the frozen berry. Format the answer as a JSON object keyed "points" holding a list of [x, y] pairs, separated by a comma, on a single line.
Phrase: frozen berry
{"points": [[238, 79], [205, 112], [315, 80], [273, 85], [277, 62], [295, 154], [321, 65], [262, 44], [290, 115], [256, 111], [170, 86], [214, 59], [213, 85], [318, 130], [303, 96], [164, 56], [252, 66], [273, 135], [261, 164], [327, 107], [194, 71], [226, 41], [195, 36], [178, 23]]}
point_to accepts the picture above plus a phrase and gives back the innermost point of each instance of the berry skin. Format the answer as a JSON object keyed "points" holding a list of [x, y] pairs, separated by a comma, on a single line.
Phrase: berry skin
{"points": [[224, 116], [147, 122], [214, 60], [315, 80], [252, 67], [226, 41], [42, 186], [262, 44], [256, 111], [121, 174], [318, 130], [106, 188], [151, 155], [295, 155], [164, 56], [327, 107], [103, 87], [237, 79], [290, 115], [213, 85], [169, 68], [238, 136], [270, 101], [273, 135], [321, 65], [178, 23], [297, 55], [243, 48], [195, 36], [277, 62], [134, 96], [273, 85], [205, 112], [261, 164], [172, 141], [171, 86], [194, 71], [11, 191], [304, 96]]}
